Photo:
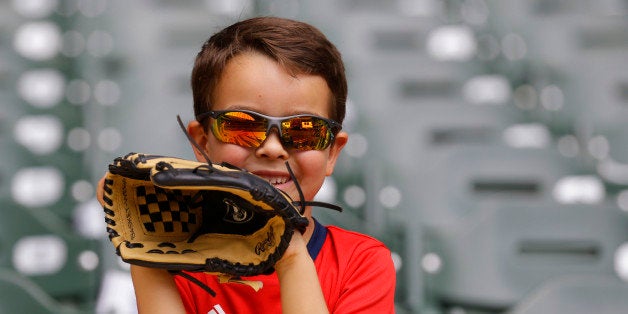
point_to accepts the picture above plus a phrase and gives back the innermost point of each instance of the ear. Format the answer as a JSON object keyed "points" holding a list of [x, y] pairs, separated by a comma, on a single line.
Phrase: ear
{"points": [[334, 151], [197, 133]]}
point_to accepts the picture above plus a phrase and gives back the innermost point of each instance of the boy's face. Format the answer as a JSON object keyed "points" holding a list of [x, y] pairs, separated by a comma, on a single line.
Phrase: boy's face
{"points": [[257, 83]]}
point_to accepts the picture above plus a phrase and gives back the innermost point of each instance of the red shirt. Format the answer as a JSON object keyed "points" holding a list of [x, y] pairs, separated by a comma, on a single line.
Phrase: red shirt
{"points": [[355, 271]]}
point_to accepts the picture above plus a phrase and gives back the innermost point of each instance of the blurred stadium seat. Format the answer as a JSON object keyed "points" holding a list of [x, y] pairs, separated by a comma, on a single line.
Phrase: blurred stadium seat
{"points": [[576, 294], [39, 247], [18, 294], [506, 249], [461, 177]]}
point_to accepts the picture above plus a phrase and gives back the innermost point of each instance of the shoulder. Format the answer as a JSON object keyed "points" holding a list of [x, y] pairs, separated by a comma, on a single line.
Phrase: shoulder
{"points": [[355, 246], [356, 272], [344, 236]]}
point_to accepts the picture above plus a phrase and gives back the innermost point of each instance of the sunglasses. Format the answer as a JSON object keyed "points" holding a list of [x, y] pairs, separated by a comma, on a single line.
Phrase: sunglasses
{"points": [[250, 129]]}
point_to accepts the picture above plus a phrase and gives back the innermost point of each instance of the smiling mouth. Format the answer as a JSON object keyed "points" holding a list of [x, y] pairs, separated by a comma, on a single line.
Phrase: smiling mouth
{"points": [[276, 180]]}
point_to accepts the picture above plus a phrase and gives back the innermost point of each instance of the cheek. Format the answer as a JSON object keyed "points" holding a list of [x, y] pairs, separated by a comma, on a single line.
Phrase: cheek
{"points": [[220, 152], [312, 175]]}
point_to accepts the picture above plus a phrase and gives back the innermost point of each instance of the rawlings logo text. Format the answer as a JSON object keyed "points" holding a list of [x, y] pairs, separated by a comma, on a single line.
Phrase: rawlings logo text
{"points": [[267, 243]]}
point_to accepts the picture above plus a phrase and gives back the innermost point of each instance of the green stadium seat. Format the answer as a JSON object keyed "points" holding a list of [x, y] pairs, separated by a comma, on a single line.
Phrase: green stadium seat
{"points": [[576, 295], [508, 248], [459, 177], [18, 294], [42, 248]]}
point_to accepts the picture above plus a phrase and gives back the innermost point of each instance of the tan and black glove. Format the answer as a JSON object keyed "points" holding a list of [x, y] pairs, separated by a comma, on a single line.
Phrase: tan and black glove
{"points": [[179, 214]]}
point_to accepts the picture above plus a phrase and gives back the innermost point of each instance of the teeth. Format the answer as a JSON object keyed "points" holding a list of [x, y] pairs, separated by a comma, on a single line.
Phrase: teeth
{"points": [[276, 180]]}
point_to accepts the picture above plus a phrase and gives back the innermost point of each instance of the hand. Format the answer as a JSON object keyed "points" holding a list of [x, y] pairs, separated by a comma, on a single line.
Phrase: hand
{"points": [[295, 253]]}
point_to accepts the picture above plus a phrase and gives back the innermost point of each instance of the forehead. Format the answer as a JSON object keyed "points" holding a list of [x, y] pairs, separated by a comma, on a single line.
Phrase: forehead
{"points": [[256, 82]]}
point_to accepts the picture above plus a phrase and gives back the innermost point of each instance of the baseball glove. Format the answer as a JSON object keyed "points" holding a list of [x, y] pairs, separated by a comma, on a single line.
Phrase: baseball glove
{"points": [[178, 214]]}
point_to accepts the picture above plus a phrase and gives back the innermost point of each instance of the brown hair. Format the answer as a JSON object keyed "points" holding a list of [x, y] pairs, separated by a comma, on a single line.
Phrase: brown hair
{"points": [[299, 47]]}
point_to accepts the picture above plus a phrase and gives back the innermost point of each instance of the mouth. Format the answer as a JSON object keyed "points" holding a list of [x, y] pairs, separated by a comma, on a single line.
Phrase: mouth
{"points": [[275, 179]]}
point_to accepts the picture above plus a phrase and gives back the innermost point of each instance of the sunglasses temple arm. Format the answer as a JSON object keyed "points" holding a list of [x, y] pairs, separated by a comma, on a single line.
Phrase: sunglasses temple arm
{"points": [[194, 143]]}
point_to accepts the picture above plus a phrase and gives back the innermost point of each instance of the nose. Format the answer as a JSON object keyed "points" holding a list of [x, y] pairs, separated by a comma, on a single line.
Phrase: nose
{"points": [[272, 147]]}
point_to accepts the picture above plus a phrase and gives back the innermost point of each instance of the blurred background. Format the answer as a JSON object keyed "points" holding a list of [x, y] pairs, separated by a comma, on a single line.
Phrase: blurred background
{"points": [[488, 143]]}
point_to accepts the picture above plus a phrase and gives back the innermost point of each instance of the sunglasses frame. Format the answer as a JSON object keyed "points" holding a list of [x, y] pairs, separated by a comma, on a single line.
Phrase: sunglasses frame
{"points": [[275, 122]]}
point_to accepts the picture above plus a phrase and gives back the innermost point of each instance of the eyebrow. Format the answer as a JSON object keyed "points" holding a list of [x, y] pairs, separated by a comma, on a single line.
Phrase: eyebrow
{"points": [[291, 113]]}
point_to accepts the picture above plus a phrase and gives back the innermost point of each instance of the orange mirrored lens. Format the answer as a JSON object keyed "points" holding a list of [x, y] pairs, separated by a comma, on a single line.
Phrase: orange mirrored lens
{"points": [[240, 128], [305, 133]]}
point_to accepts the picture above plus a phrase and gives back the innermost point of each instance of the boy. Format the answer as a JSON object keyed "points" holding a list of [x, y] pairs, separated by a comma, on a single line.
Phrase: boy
{"points": [[252, 83]]}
